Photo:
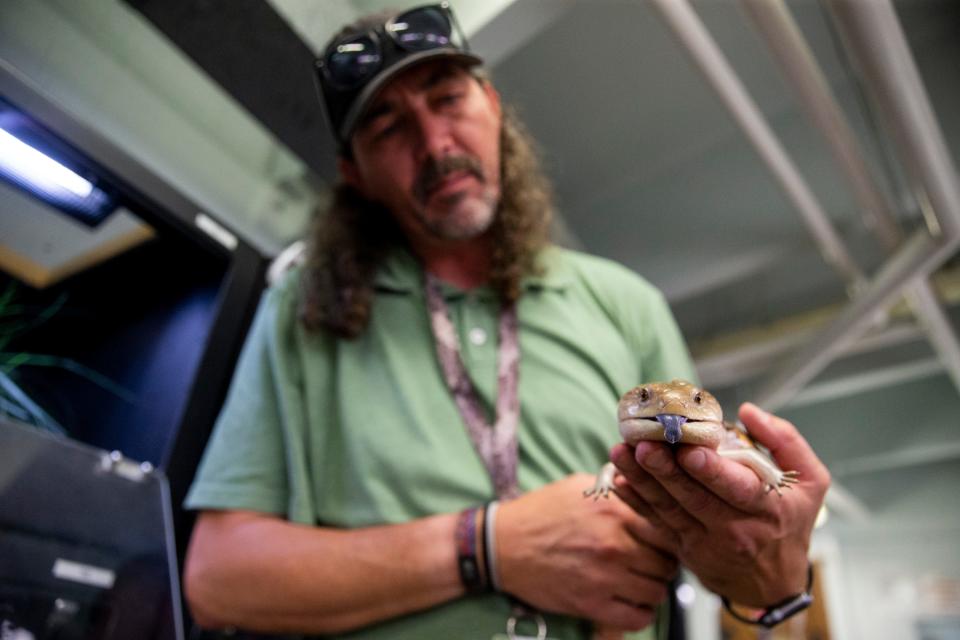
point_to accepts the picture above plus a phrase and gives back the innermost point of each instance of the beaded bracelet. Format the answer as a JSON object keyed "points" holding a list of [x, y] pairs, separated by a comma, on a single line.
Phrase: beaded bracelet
{"points": [[469, 539]]}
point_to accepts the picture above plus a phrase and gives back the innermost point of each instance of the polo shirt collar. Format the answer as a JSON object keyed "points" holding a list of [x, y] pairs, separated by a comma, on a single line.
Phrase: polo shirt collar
{"points": [[400, 272]]}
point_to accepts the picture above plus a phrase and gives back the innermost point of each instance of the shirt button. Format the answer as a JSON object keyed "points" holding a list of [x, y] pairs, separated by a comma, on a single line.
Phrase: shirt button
{"points": [[477, 337]]}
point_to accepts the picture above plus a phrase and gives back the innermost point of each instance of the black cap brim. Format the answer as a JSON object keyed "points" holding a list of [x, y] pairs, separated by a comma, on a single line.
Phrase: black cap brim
{"points": [[370, 91]]}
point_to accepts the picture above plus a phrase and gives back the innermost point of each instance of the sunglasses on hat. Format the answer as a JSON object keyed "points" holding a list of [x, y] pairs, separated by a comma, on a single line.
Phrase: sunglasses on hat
{"points": [[353, 67]]}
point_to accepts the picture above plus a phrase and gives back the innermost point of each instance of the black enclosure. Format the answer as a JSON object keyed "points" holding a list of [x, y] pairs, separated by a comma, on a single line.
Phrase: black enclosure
{"points": [[116, 359], [136, 354]]}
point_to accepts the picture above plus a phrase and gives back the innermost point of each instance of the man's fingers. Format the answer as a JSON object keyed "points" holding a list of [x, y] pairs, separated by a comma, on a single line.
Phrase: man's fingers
{"points": [[628, 494], [641, 590], [625, 491], [652, 531], [621, 455], [650, 489], [655, 565], [696, 499], [734, 483]]}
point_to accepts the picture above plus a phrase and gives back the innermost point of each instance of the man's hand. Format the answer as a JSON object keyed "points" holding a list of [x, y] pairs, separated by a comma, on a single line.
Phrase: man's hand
{"points": [[592, 559], [741, 541]]}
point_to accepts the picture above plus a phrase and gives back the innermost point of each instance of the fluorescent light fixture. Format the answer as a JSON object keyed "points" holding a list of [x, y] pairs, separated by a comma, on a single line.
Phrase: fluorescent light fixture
{"points": [[42, 171], [50, 180]]}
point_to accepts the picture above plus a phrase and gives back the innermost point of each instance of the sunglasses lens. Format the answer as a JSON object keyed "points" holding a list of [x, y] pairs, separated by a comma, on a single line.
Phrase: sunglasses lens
{"points": [[352, 62], [421, 29]]}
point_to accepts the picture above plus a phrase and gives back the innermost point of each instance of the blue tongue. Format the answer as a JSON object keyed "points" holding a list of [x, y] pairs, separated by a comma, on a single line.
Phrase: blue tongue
{"points": [[672, 426]]}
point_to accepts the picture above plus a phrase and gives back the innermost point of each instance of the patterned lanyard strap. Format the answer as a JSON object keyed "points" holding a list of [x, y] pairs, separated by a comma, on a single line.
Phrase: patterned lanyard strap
{"points": [[496, 444]]}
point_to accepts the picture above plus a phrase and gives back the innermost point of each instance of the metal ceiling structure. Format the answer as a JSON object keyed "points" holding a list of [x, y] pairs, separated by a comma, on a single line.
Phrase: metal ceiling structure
{"points": [[875, 33]]}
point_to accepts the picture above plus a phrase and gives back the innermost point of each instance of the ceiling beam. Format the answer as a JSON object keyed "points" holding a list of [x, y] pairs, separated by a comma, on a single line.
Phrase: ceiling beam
{"points": [[864, 381], [901, 458], [720, 75], [728, 368], [918, 257], [734, 357], [799, 65], [800, 68], [872, 32]]}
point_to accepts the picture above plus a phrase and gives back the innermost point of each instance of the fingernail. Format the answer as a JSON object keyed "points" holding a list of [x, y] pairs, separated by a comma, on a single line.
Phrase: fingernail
{"points": [[695, 460]]}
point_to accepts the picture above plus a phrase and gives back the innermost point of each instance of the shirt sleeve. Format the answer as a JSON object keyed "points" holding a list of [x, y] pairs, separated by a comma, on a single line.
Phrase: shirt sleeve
{"points": [[244, 466]]}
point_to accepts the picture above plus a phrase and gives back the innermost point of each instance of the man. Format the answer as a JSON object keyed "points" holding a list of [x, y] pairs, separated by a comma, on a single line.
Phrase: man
{"points": [[435, 354]]}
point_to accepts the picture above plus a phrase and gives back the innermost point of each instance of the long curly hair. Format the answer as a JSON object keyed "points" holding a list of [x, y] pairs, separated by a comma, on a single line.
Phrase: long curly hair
{"points": [[350, 239]]}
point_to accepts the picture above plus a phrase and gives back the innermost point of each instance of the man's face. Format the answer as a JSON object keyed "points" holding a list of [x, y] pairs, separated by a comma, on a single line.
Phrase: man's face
{"points": [[429, 151]]}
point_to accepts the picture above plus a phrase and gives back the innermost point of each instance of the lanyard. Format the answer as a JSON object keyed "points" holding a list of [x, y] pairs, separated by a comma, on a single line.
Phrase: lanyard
{"points": [[497, 443]]}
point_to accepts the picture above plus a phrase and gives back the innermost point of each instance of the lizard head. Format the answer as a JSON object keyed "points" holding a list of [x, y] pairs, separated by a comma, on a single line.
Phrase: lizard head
{"points": [[673, 412]]}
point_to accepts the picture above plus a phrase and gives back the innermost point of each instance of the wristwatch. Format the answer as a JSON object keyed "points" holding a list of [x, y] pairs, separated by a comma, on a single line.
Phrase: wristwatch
{"points": [[777, 613]]}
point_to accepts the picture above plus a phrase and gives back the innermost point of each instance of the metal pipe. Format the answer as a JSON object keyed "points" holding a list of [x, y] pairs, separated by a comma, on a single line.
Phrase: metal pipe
{"points": [[733, 366], [681, 18], [865, 381], [915, 456], [871, 31], [918, 256], [783, 37], [926, 305]]}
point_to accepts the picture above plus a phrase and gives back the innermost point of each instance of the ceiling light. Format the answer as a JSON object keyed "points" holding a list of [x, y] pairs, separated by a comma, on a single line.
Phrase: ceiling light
{"points": [[28, 161], [27, 165]]}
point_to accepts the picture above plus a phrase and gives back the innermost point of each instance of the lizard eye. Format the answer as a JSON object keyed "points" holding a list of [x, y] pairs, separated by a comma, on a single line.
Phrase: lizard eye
{"points": [[644, 395], [698, 398]]}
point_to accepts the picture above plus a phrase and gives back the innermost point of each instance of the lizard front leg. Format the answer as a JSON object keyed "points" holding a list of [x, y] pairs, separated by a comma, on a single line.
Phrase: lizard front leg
{"points": [[604, 484], [766, 469]]}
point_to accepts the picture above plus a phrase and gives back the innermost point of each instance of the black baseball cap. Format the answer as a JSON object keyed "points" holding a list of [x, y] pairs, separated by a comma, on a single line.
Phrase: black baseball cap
{"points": [[364, 56]]}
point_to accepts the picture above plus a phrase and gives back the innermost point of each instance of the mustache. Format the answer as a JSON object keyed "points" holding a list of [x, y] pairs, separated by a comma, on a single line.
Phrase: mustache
{"points": [[435, 170]]}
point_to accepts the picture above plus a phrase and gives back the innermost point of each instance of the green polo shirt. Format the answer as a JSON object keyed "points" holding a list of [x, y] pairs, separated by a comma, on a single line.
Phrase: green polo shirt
{"points": [[352, 433]]}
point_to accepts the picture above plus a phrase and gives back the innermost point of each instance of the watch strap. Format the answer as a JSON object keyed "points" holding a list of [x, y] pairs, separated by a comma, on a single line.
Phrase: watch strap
{"points": [[777, 613]]}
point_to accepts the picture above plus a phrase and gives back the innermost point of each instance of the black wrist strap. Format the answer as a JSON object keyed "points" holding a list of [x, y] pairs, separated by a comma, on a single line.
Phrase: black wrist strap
{"points": [[777, 613]]}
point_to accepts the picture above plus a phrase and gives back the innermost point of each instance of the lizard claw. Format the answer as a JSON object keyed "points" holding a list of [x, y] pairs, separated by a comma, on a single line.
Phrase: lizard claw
{"points": [[597, 493], [786, 481]]}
